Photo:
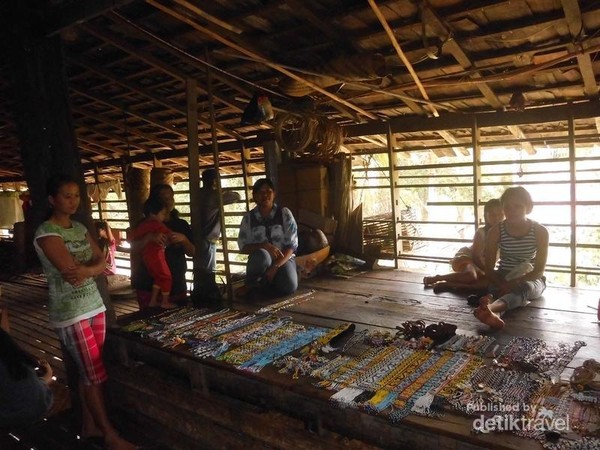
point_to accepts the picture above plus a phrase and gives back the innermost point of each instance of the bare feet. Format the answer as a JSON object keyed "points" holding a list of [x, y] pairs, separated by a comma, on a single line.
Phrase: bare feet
{"points": [[430, 281], [168, 305], [116, 442], [90, 430], [485, 315]]}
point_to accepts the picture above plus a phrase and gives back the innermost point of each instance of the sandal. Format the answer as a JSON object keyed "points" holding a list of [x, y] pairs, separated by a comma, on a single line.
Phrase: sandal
{"points": [[412, 329]]}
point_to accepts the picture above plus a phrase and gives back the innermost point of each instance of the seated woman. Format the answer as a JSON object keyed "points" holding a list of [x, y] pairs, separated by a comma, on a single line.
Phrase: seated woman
{"points": [[25, 397], [468, 263], [523, 249], [269, 234]]}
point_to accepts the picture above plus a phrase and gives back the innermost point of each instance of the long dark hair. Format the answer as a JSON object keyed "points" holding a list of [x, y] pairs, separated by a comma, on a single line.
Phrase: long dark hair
{"points": [[54, 184], [16, 360]]}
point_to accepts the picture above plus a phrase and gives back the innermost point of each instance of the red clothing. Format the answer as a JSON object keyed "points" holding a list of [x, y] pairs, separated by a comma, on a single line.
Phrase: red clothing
{"points": [[153, 254]]}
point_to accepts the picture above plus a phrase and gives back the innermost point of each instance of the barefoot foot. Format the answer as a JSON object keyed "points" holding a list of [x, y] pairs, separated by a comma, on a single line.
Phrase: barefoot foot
{"points": [[116, 442], [429, 281], [485, 315], [168, 305]]}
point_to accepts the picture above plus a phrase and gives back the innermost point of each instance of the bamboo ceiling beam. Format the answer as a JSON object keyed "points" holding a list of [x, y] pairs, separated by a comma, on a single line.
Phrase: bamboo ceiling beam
{"points": [[401, 55], [577, 30], [121, 125], [158, 65], [118, 108], [219, 74], [465, 62], [255, 54], [209, 17]]}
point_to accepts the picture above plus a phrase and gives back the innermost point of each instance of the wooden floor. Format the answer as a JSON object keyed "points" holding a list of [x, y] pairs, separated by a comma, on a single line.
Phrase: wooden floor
{"points": [[379, 298]]}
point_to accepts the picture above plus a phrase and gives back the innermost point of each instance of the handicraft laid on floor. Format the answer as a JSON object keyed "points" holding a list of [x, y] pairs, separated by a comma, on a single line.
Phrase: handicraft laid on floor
{"points": [[422, 369]]}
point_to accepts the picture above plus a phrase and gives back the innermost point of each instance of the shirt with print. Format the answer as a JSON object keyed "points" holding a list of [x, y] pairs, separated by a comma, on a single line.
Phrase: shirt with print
{"points": [[69, 304], [282, 235]]}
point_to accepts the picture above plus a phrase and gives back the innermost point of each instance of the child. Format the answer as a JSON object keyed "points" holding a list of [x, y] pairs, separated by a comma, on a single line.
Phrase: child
{"points": [[153, 253], [469, 262], [523, 247], [107, 244]]}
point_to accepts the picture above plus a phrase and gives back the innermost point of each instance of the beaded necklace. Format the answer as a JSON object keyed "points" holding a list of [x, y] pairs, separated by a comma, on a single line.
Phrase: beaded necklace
{"points": [[295, 300]]}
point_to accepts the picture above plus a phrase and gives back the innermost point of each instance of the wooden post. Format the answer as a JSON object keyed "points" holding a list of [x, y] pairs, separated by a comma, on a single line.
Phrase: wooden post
{"points": [[191, 94], [215, 147], [573, 201], [392, 175], [45, 127]]}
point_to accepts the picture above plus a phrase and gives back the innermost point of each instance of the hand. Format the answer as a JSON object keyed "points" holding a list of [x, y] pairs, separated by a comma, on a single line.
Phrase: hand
{"points": [[75, 274], [271, 272], [273, 251], [177, 238], [45, 372], [159, 238]]}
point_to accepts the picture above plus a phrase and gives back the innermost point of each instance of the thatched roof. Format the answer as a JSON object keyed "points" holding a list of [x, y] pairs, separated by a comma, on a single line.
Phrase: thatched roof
{"points": [[352, 61]]}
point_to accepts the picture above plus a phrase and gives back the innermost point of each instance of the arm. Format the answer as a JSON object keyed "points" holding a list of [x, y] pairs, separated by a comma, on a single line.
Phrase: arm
{"points": [[491, 254], [230, 197], [56, 251], [181, 239], [478, 248], [290, 244], [109, 234], [246, 245]]}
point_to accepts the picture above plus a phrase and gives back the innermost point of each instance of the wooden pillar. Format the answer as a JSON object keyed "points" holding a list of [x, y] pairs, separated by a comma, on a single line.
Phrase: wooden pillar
{"points": [[191, 94], [45, 127], [137, 192]]}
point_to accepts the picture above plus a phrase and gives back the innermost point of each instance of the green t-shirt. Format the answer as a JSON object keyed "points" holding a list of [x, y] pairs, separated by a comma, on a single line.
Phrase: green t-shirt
{"points": [[69, 304]]}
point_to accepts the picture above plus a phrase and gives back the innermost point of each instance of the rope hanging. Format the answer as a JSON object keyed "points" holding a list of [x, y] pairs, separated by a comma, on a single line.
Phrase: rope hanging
{"points": [[308, 135]]}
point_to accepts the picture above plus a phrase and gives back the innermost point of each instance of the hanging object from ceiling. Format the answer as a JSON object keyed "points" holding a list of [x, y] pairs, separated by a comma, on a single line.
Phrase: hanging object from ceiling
{"points": [[258, 110]]}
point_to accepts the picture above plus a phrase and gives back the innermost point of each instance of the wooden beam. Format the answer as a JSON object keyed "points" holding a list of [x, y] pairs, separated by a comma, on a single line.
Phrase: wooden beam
{"points": [[67, 14], [577, 30], [122, 125], [465, 62], [157, 64], [401, 55], [255, 54]]}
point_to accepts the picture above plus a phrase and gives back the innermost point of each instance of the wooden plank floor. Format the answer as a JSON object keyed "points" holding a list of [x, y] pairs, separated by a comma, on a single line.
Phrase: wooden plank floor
{"points": [[380, 298]]}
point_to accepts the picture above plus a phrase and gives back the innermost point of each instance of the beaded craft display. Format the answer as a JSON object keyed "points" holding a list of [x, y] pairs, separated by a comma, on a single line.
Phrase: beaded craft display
{"points": [[395, 375], [535, 355]]}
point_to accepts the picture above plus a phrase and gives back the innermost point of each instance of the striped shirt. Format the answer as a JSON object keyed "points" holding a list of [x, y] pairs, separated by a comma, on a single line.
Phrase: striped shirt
{"points": [[516, 250]]}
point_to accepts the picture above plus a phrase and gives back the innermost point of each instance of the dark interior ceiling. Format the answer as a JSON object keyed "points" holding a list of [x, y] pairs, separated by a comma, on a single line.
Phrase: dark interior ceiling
{"points": [[352, 61]]}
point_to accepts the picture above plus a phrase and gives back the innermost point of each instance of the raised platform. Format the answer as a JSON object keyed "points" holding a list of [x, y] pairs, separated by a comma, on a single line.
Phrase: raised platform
{"points": [[188, 403]]}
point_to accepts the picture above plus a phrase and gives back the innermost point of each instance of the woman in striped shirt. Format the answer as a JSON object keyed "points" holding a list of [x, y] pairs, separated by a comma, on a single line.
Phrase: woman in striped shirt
{"points": [[517, 276]]}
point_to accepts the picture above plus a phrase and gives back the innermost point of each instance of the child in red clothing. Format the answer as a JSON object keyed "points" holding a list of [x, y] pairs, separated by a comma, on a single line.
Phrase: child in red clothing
{"points": [[153, 253]]}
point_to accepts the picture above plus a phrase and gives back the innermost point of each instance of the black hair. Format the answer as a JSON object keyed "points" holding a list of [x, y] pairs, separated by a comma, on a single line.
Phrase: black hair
{"points": [[208, 176], [155, 191], [153, 206], [102, 241], [55, 182], [491, 203], [262, 182], [14, 358], [518, 192]]}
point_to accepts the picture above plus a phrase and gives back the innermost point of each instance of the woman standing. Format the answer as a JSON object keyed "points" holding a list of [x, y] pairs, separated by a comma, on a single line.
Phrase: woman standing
{"points": [[523, 248], [178, 244], [71, 260], [269, 234]]}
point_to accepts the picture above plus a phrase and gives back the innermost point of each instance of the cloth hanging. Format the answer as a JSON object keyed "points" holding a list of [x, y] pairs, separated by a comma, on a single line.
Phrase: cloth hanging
{"points": [[99, 191], [10, 209]]}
